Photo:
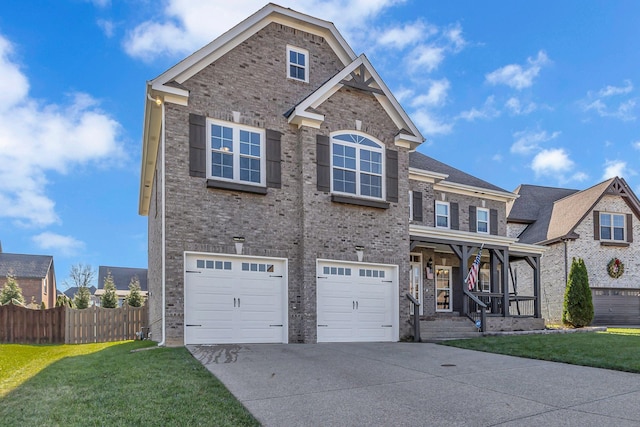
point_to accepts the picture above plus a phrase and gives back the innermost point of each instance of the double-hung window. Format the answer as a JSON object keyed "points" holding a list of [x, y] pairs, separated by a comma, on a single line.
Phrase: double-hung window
{"points": [[612, 226], [236, 153], [442, 215], [297, 64], [482, 220], [356, 165]]}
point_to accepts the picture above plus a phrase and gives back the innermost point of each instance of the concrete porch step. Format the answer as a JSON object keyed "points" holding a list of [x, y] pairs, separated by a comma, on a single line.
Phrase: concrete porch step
{"points": [[447, 328]]}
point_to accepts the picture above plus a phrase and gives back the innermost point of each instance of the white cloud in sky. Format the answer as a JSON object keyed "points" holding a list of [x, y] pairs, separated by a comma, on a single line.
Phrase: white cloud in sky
{"points": [[516, 108], [429, 124], [408, 34], [186, 25], [488, 111], [517, 76], [427, 58], [613, 168], [528, 141], [436, 94], [610, 102], [554, 162], [636, 145], [37, 138], [64, 245], [108, 27]]}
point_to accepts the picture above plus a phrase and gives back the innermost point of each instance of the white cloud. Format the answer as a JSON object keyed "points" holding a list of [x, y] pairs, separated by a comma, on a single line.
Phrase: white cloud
{"points": [[516, 108], [400, 37], [435, 96], [426, 58], [186, 25], [616, 90], [517, 76], [454, 35], [636, 145], [38, 138], [429, 124], [554, 162], [64, 245], [488, 111], [100, 3], [613, 168], [529, 141], [579, 177], [108, 27]]}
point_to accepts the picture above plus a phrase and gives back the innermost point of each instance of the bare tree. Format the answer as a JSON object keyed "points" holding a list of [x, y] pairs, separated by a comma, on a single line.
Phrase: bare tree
{"points": [[81, 275]]}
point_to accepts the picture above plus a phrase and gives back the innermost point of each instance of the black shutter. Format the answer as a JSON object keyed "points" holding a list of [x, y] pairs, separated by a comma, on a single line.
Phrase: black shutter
{"points": [[455, 222], [596, 225], [274, 155], [323, 156], [629, 228], [197, 146], [472, 219], [493, 221], [392, 175], [417, 206]]}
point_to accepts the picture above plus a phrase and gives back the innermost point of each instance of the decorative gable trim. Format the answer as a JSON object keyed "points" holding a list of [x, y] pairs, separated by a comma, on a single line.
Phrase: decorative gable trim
{"points": [[358, 74]]}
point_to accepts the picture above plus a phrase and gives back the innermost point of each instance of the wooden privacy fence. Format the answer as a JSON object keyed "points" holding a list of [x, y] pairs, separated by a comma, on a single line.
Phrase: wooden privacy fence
{"points": [[97, 324], [70, 326]]}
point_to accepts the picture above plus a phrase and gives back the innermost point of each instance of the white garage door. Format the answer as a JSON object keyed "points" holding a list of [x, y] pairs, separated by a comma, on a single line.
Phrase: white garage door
{"points": [[356, 302], [235, 299]]}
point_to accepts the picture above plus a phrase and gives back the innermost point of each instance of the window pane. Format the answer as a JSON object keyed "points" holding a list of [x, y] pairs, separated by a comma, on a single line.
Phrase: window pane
{"points": [[249, 169], [618, 221], [482, 215], [482, 227], [370, 185], [222, 165], [605, 220], [344, 157], [618, 233], [442, 209], [344, 181], [301, 59], [605, 233], [442, 221], [292, 56]]}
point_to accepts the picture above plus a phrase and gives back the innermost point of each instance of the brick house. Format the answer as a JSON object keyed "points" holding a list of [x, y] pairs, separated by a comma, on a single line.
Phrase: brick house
{"points": [[278, 178], [35, 276], [598, 225]]}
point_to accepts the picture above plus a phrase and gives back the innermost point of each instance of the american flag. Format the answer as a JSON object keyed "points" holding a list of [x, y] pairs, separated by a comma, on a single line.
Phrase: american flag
{"points": [[472, 277]]}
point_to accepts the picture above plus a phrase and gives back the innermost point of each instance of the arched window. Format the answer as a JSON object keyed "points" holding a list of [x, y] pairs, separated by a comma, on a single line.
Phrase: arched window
{"points": [[357, 165]]}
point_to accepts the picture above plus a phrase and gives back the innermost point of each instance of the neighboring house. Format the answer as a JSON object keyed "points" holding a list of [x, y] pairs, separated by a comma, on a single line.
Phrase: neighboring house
{"points": [[35, 276], [598, 225], [122, 277], [72, 291], [277, 176]]}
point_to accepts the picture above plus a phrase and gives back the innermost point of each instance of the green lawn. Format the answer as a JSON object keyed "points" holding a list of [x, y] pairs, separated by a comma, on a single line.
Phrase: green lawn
{"points": [[617, 349], [107, 384]]}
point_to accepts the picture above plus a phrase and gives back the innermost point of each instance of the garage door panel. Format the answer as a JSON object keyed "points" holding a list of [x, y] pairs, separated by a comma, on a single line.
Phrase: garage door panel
{"points": [[234, 300], [357, 306]]}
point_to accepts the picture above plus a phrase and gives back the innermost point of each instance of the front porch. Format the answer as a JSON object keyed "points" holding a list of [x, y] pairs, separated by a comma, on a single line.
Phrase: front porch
{"points": [[506, 296]]}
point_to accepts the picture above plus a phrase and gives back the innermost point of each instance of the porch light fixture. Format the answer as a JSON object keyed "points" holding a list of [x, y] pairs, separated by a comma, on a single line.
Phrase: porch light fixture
{"points": [[360, 252], [430, 263], [239, 241], [157, 100], [444, 261]]}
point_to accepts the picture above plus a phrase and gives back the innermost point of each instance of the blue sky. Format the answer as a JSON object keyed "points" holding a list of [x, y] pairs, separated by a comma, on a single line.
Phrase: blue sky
{"points": [[543, 92]]}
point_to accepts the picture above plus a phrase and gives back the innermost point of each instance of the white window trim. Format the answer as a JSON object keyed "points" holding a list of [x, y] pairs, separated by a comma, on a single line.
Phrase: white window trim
{"points": [[624, 226], [358, 147], [306, 65], [236, 152], [478, 221], [435, 212]]}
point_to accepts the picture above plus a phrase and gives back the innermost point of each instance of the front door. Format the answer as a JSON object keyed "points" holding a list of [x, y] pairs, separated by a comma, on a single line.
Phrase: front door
{"points": [[415, 280], [443, 289]]}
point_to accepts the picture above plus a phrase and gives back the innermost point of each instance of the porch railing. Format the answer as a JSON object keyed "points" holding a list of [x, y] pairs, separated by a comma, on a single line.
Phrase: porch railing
{"points": [[475, 309], [523, 306], [416, 317]]}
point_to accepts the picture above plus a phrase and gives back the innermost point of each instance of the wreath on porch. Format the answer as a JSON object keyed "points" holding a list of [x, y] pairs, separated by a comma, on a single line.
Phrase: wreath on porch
{"points": [[615, 268]]}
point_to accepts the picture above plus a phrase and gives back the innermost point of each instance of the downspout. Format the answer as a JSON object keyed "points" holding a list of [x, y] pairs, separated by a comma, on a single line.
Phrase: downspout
{"points": [[163, 232], [566, 262]]}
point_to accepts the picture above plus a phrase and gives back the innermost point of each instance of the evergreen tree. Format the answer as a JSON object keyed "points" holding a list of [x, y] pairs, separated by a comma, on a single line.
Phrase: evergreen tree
{"points": [[134, 299], [82, 298], [63, 300], [11, 290], [577, 309], [109, 299]]}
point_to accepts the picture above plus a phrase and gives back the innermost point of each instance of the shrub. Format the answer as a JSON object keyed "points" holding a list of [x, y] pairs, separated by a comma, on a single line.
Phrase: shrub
{"points": [[82, 298], [109, 299], [63, 300], [577, 309], [134, 299]]}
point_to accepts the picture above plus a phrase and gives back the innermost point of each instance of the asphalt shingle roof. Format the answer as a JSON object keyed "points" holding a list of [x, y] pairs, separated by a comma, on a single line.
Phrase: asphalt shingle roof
{"points": [[420, 161], [27, 266], [122, 277]]}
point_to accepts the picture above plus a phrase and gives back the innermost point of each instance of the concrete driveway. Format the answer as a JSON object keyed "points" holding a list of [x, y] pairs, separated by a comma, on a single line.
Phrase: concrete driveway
{"points": [[407, 384]]}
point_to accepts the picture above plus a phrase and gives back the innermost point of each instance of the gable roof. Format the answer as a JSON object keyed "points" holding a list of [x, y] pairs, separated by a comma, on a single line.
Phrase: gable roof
{"points": [[554, 213], [452, 179], [122, 277], [361, 75], [25, 266]]}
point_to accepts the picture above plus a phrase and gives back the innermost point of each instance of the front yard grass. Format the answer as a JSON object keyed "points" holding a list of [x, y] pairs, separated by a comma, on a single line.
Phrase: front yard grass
{"points": [[616, 349], [107, 384]]}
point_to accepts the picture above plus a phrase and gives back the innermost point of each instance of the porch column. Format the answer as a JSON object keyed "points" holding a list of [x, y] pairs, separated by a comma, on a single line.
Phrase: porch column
{"points": [[503, 257], [534, 262]]}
